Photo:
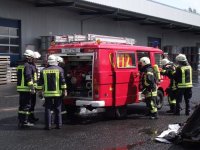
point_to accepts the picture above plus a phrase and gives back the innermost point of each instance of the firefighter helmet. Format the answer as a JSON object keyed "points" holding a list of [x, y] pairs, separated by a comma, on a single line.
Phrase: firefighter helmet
{"points": [[181, 57], [60, 59], [52, 60], [29, 53], [164, 61], [144, 61], [37, 55]]}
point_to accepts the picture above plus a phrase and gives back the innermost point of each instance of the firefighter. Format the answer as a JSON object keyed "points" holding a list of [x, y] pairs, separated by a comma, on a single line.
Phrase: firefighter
{"points": [[168, 69], [183, 78], [25, 88], [149, 87], [60, 61], [32, 117], [52, 82]]}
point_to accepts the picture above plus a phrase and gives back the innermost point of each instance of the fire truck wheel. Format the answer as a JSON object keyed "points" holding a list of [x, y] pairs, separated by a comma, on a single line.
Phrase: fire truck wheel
{"points": [[160, 99], [116, 112], [121, 112], [71, 110]]}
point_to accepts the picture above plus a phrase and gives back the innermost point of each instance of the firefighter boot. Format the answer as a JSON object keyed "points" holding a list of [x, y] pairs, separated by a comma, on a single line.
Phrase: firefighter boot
{"points": [[177, 112], [172, 109], [28, 124], [32, 118], [154, 116], [187, 109], [25, 124], [187, 112], [148, 113]]}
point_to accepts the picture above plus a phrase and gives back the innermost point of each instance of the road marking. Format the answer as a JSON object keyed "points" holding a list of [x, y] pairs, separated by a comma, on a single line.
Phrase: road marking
{"points": [[8, 109], [7, 96], [16, 108]]}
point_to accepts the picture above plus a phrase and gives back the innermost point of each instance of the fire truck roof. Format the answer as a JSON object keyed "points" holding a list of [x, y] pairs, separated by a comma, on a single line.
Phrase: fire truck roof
{"points": [[93, 41]]}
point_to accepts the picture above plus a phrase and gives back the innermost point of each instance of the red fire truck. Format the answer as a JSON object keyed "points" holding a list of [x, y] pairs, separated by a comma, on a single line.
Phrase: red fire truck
{"points": [[102, 72]]}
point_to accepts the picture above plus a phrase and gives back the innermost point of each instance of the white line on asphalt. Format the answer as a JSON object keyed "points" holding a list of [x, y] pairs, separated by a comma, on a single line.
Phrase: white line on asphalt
{"points": [[8, 109], [14, 109], [11, 96]]}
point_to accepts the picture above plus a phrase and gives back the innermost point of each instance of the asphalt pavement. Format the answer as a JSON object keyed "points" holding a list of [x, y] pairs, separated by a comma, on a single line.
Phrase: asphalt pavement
{"points": [[87, 133]]}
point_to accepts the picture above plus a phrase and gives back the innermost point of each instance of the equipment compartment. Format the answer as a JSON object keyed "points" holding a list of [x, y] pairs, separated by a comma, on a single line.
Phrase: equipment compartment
{"points": [[78, 74]]}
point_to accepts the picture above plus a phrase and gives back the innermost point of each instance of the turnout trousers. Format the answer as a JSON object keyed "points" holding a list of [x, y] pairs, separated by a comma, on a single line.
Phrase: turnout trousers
{"points": [[24, 106], [187, 94], [172, 93], [53, 103], [32, 107], [150, 103]]}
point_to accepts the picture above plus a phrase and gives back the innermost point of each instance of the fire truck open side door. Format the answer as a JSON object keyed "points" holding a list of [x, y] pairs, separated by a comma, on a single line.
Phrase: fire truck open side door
{"points": [[126, 78]]}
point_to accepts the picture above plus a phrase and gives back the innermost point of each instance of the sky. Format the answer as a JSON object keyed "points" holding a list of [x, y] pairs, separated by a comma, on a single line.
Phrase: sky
{"points": [[182, 4]]}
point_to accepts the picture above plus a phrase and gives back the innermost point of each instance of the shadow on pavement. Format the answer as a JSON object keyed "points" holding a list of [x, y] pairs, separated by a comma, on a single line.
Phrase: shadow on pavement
{"points": [[185, 146]]}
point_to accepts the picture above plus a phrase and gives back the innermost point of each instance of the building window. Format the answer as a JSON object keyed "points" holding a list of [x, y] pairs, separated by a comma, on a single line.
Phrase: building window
{"points": [[154, 42], [9, 40]]}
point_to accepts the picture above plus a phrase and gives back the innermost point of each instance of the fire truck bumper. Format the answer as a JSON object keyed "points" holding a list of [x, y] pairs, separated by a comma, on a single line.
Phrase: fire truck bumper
{"points": [[90, 103]]}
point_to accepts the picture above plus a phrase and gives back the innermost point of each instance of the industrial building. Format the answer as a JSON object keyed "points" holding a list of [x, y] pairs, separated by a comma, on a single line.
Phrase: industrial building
{"points": [[30, 23]]}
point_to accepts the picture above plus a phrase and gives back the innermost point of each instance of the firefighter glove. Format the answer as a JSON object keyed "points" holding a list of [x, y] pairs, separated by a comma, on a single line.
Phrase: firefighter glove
{"points": [[32, 89], [64, 93]]}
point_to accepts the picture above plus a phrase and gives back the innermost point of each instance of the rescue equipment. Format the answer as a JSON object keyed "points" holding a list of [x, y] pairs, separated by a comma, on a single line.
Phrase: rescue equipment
{"points": [[156, 72], [93, 37]]}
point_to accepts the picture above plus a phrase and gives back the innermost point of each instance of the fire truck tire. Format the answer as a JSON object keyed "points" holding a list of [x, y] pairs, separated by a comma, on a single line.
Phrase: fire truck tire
{"points": [[71, 110], [116, 112], [121, 112], [160, 99]]}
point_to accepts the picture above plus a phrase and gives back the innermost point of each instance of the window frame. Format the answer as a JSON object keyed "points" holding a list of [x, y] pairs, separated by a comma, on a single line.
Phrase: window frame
{"points": [[133, 55], [9, 44], [155, 59]]}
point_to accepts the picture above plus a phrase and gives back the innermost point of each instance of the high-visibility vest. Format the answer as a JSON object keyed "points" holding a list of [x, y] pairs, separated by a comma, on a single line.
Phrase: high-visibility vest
{"points": [[22, 85], [185, 80], [146, 84], [52, 87]]}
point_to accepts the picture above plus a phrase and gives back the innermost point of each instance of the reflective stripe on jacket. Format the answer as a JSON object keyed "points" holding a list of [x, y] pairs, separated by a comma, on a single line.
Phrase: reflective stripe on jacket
{"points": [[24, 78], [52, 81], [184, 76], [35, 78], [148, 81], [169, 71]]}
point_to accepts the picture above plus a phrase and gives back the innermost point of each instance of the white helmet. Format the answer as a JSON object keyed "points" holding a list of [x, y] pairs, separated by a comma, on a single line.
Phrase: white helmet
{"points": [[165, 61], [29, 53], [52, 60], [37, 55], [181, 57], [60, 59], [145, 61]]}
